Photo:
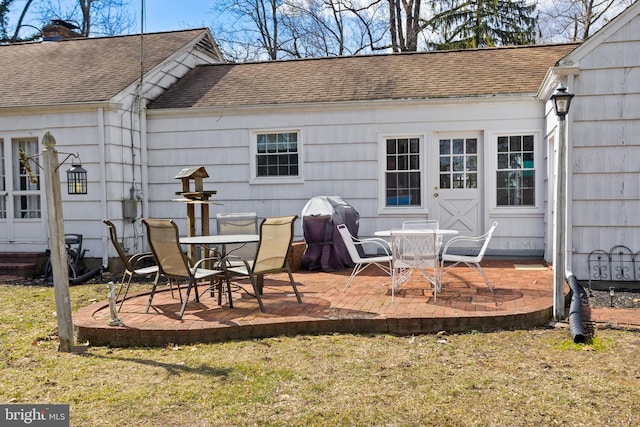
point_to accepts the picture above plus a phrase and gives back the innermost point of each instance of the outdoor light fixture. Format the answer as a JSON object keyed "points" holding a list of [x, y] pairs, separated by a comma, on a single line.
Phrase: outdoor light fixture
{"points": [[561, 102], [611, 294], [76, 179], [76, 184]]}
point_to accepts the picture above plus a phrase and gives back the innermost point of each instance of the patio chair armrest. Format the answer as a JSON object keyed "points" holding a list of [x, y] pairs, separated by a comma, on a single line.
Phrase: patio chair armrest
{"points": [[457, 239], [137, 258], [376, 242], [199, 263], [227, 261]]}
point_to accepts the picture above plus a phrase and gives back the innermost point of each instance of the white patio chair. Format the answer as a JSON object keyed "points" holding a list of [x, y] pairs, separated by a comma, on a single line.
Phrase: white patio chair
{"points": [[472, 261], [421, 224], [414, 250], [357, 249]]}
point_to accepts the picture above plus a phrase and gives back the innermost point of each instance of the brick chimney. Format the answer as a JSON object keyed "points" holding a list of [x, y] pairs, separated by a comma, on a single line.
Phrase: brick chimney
{"points": [[58, 30]]}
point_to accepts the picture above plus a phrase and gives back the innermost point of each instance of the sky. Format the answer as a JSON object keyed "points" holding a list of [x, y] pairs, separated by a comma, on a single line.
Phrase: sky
{"points": [[167, 15], [161, 15]]}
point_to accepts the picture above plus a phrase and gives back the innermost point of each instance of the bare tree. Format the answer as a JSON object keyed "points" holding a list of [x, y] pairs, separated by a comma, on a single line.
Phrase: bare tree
{"points": [[576, 20], [276, 29], [253, 31], [316, 28], [404, 24], [5, 6], [93, 17]]}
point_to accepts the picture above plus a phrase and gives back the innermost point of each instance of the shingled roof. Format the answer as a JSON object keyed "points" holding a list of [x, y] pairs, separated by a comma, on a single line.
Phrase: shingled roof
{"points": [[82, 70], [441, 74]]}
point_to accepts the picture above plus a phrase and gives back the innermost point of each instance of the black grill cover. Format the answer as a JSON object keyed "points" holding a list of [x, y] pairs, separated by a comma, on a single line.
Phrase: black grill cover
{"points": [[325, 250]]}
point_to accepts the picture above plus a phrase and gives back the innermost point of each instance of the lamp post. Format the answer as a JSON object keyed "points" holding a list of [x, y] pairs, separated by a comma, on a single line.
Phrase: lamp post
{"points": [[561, 102], [77, 184]]}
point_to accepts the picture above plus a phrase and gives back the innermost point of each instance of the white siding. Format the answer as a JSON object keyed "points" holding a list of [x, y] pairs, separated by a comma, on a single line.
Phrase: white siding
{"points": [[340, 154], [605, 146], [112, 169]]}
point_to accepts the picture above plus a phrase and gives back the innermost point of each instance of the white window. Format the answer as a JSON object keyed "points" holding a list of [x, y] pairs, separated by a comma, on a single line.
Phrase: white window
{"points": [[26, 183], [403, 175], [516, 174], [277, 155]]}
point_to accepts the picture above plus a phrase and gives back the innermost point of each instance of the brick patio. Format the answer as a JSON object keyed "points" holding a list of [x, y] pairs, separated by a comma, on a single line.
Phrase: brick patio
{"points": [[523, 298]]}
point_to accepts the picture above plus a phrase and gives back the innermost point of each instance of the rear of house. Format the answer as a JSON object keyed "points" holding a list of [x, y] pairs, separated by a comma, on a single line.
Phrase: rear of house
{"points": [[456, 136], [464, 137]]}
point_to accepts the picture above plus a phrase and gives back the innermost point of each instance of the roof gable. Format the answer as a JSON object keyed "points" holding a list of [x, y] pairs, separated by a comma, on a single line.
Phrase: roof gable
{"points": [[425, 75], [608, 32], [83, 70]]}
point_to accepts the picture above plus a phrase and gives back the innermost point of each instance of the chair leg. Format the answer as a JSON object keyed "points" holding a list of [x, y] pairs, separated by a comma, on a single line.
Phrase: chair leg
{"points": [[153, 292], [293, 284], [179, 290], [256, 291], [126, 291], [356, 270], [192, 283], [484, 276], [228, 291]]}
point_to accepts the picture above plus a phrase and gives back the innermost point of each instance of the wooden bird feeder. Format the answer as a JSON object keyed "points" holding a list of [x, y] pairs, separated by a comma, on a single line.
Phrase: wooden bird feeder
{"points": [[193, 197]]}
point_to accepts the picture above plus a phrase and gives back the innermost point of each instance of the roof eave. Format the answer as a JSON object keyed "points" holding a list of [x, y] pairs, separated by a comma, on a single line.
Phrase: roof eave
{"points": [[551, 79], [337, 105], [65, 107]]}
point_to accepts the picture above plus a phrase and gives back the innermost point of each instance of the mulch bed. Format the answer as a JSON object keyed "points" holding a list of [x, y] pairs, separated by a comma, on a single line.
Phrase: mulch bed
{"points": [[622, 298]]}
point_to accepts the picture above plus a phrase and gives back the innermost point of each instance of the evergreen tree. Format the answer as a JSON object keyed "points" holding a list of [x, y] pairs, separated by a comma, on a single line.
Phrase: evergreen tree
{"points": [[465, 24], [4, 19]]}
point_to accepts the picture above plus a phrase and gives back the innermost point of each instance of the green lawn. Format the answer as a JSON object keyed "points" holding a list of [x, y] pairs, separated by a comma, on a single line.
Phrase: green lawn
{"points": [[510, 378]]}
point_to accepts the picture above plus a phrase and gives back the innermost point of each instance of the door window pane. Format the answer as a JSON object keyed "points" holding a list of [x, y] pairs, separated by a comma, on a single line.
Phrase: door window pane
{"points": [[458, 163]]}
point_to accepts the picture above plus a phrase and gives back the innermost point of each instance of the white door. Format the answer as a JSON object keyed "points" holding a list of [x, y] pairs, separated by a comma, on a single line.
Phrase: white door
{"points": [[21, 216], [456, 195]]}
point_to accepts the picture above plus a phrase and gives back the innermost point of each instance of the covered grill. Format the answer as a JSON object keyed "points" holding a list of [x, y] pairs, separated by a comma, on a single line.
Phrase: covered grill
{"points": [[325, 250]]}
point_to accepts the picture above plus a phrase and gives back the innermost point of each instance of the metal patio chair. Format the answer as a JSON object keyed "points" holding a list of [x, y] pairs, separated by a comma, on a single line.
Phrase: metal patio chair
{"points": [[414, 251], [380, 254], [422, 224], [472, 261], [276, 235], [136, 265], [173, 263]]}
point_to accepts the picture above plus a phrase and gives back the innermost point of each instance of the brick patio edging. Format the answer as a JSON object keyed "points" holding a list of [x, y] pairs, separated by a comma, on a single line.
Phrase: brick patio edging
{"points": [[92, 330]]}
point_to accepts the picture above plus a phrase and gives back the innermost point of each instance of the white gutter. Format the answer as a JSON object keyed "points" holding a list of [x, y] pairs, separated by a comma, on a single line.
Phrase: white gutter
{"points": [[144, 172], [103, 182], [569, 231]]}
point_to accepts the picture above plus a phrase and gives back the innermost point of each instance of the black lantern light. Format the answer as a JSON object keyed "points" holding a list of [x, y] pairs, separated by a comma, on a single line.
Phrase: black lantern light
{"points": [[561, 102], [76, 180]]}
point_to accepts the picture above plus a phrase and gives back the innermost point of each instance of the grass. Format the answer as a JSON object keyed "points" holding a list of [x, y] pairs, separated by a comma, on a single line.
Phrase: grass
{"points": [[511, 378]]}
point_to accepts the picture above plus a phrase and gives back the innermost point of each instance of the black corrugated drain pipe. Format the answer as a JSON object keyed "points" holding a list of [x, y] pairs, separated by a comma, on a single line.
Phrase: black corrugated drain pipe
{"points": [[575, 310]]}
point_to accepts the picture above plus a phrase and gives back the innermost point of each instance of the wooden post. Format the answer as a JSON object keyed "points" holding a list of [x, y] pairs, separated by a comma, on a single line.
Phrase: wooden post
{"points": [[197, 196], [57, 244]]}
